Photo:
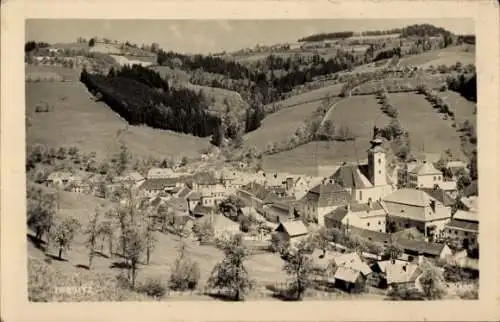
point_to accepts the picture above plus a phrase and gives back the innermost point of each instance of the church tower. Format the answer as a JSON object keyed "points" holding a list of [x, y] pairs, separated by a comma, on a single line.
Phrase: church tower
{"points": [[377, 163]]}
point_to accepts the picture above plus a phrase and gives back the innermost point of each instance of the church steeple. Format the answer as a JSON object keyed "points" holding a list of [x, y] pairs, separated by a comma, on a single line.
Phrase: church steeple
{"points": [[377, 161]]}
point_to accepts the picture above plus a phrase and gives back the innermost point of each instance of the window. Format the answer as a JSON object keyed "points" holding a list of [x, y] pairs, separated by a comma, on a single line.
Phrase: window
{"points": [[466, 233], [379, 172], [368, 224], [379, 222], [434, 178], [379, 161]]}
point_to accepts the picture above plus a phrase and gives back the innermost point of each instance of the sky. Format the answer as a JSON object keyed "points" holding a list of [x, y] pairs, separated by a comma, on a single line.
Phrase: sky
{"points": [[205, 36]]}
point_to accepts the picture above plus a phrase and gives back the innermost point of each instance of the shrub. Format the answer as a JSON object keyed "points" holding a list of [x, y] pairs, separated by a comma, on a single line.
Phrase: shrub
{"points": [[153, 287], [43, 108], [185, 274]]}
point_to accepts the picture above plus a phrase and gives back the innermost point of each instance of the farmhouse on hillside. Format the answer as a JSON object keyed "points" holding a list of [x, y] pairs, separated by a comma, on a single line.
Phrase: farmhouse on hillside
{"points": [[58, 179], [408, 208]]}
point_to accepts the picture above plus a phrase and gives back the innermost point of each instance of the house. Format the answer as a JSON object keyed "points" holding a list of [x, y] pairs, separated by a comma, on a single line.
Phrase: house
{"points": [[424, 175], [469, 203], [79, 185], [351, 272], [464, 226], [160, 173], [321, 200], [456, 168], [366, 181], [177, 204], [292, 231], [59, 178], [417, 249], [303, 184], [132, 177], [441, 195], [154, 187], [395, 272], [369, 216], [193, 199], [223, 226], [349, 280], [255, 195], [280, 210], [408, 208], [200, 211]]}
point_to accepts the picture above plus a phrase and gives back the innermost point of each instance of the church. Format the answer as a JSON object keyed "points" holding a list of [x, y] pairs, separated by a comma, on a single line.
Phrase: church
{"points": [[366, 182]]}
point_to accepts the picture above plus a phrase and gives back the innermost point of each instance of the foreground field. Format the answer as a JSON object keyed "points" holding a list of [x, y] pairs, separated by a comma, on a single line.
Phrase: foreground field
{"points": [[77, 120], [264, 268]]}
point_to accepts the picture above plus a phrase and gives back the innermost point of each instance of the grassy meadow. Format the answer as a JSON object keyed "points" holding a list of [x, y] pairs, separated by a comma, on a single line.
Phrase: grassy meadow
{"points": [[77, 120]]}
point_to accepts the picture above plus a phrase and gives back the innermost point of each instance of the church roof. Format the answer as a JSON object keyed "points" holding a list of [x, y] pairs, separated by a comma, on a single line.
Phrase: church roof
{"points": [[351, 177]]}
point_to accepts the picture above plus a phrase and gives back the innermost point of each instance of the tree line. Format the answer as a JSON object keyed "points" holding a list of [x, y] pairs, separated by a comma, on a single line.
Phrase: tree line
{"points": [[417, 30]]}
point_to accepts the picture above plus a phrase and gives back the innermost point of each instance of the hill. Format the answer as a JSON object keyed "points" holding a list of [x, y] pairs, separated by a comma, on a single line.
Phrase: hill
{"points": [[429, 132], [447, 56], [361, 113], [77, 120]]}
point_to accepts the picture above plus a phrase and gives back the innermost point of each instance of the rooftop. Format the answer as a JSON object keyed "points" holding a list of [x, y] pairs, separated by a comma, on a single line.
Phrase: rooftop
{"points": [[294, 228], [466, 216], [354, 262], [350, 177], [426, 168], [439, 194], [158, 183], [464, 225], [408, 196]]}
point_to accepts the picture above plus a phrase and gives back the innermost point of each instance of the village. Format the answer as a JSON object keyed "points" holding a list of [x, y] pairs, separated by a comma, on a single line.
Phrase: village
{"points": [[367, 211]]}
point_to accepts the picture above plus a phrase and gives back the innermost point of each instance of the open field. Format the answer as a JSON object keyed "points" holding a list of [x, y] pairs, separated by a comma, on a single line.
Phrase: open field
{"points": [[447, 56], [316, 95], [464, 109], [68, 74], [408, 83], [359, 114], [93, 127], [167, 72], [281, 125], [428, 131]]}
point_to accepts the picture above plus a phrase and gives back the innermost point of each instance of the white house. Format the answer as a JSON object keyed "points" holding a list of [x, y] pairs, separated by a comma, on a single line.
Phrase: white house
{"points": [[409, 208], [369, 216], [424, 175]]}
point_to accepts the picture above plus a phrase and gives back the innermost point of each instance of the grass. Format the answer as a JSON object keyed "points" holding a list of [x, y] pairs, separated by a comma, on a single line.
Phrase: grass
{"points": [[360, 114], [93, 127], [447, 56], [428, 131], [40, 70], [167, 72], [464, 109]]}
